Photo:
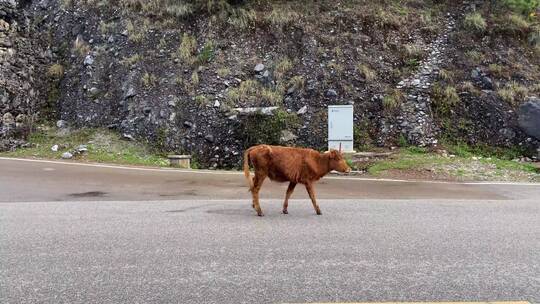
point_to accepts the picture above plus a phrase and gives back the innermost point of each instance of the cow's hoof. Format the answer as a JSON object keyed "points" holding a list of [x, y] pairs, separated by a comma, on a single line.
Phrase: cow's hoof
{"points": [[319, 213], [260, 214], [285, 212]]}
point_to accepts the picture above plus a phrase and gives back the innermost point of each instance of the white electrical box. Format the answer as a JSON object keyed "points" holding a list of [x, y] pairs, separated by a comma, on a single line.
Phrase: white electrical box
{"points": [[340, 128]]}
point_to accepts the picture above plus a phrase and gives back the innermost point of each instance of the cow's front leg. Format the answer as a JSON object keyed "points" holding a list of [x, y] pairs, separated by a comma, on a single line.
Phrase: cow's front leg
{"points": [[290, 191], [311, 192]]}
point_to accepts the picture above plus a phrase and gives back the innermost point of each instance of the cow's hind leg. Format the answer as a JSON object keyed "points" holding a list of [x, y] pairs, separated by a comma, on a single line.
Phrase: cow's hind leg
{"points": [[257, 184], [287, 196], [311, 192]]}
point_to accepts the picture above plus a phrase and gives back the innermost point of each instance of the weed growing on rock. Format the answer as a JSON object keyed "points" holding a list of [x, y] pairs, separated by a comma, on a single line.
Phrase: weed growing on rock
{"points": [[195, 79], [81, 47], [149, 80], [132, 60]]}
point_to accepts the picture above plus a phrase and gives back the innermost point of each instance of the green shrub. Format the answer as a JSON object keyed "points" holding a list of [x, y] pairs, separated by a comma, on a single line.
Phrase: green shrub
{"points": [[282, 68], [281, 15], [412, 63], [385, 18], [513, 24], [496, 69], [137, 32], [362, 138], [366, 72], [266, 129], [297, 82], [176, 8], [413, 50], [475, 23], [105, 28], [252, 92], [201, 100], [444, 98], [81, 47], [446, 75], [534, 37], [336, 68], [195, 78], [513, 93], [393, 99], [66, 3], [129, 61], [468, 86], [207, 53], [242, 18], [403, 141], [187, 49], [55, 71], [474, 56], [223, 72], [522, 6], [149, 80]]}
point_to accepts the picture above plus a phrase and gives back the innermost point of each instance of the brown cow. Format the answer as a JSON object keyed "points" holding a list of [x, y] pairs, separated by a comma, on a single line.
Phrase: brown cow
{"points": [[293, 165]]}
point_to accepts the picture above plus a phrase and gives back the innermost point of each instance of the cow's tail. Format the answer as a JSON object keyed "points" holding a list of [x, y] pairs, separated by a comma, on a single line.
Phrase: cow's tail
{"points": [[246, 169]]}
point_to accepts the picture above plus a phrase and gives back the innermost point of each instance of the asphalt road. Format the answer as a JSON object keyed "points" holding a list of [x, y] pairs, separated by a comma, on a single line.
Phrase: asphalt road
{"points": [[85, 234]]}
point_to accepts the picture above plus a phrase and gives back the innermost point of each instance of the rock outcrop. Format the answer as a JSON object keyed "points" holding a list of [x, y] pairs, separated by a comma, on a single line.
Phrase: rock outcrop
{"points": [[529, 117], [22, 62]]}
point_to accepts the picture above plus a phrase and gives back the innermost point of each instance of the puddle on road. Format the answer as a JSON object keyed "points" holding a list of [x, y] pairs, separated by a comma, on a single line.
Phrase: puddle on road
{"points": [[89, 194]]}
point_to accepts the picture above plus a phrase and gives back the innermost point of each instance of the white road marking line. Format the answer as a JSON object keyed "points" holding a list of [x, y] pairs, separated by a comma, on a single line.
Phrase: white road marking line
{"points": [[491, 302], [241, 173]]}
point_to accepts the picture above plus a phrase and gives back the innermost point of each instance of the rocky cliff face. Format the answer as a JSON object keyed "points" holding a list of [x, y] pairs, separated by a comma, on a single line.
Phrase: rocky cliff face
{"points": [[210, 85], [23, 58]]}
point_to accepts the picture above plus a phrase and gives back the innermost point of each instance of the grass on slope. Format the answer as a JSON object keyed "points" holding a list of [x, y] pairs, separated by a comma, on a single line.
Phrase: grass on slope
{"points": [[103, 146], [460, 163]]}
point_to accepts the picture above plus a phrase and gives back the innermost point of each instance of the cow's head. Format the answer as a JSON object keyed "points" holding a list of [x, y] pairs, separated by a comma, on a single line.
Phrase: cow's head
{"points": [[337, 162]]}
